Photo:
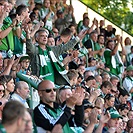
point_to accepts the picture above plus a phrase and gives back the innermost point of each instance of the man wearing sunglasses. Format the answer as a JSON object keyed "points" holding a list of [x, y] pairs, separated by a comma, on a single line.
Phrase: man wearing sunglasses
{"points": [[48, 113]]}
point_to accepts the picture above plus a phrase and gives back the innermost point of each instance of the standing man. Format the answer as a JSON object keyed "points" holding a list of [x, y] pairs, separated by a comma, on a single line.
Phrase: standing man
{"points": [[48, 113], [44, 59], [112, 58]]}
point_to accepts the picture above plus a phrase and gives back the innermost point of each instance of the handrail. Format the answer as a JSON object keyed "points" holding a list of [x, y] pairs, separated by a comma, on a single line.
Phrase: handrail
{"points": [[106, 18]]}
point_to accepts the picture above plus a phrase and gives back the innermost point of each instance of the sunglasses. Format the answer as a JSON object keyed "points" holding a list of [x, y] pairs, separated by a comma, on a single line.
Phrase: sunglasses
{"points": [[114, 91], [2, 91], [49, 90]]}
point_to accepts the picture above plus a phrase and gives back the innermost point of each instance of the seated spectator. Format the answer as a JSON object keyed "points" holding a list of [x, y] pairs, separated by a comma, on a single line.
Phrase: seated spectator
{"points": [[9, 85], [122, 98], [21, 93], [73, 76], [106, 88], [64, 93], [105, 76], [87, 74], [127, 81], [87, 112], [28, 125], [55, 32], [44, 112], [129, 127], [51, 41], [114, 80], [13, 117], [81, 69], [130, 114], [113, 123], [98, 80], [109, 100], [91, 84], [123, 109]]}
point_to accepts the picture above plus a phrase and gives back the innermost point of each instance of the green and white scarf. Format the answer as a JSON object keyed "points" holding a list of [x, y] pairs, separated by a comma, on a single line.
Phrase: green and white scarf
{"points": [[57, 64]]}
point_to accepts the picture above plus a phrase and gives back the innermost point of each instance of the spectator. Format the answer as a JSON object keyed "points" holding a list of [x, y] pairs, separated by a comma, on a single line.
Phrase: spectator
{"points": [[55, 32], [51, 41], [113, 123], [87, 74], [106, 88], [52, 69], [81, 22], [122, 98], [110, 33], [109, 101], [110, 55], [98, 80], [114, 80], [127, 82], [102, 29], [28, 124], [92, 45], [105, 76], [13, 117], [81, 69], [129, 128], [47, 15], [64, 93], [123, 109], [130, 114], [127, 43], [73, 76], [44, 112], [62, 21], [129, 57], [9, 85], [21, 93]]}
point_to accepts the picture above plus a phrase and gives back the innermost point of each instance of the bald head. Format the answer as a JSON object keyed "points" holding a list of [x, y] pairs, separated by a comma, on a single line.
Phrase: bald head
{"points": [[45, 84]]}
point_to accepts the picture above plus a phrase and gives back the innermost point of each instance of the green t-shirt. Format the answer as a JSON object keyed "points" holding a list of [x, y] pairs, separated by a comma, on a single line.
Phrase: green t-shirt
{"points": [[4, 46], [46, 70], [108, 57]]}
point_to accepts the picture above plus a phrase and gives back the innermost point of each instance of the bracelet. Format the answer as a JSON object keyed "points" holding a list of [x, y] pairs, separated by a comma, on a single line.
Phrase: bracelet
{"points": [[13, 70]]}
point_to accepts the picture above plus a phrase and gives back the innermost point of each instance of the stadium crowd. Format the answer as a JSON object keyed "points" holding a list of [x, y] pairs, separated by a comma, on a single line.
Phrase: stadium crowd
{"points": [[85, 84]]}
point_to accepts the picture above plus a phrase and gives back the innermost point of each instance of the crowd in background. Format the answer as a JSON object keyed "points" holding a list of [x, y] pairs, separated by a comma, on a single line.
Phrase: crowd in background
{"points": [[85, 83]]}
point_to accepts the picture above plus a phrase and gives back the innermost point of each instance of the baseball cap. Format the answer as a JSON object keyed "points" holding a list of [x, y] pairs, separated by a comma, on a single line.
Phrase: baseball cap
{"points": [[59, 12], [87, 104], [129, 68], [23, 57], [114, 113]]}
